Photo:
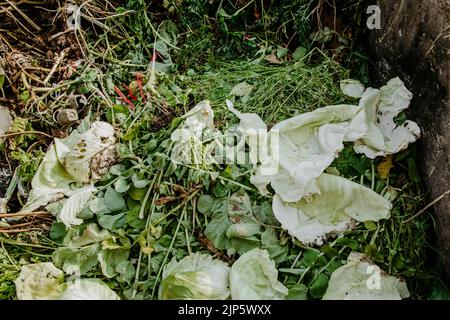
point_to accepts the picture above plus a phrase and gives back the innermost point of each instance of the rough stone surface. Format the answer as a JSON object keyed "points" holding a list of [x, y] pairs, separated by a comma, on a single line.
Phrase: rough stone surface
{"points": [[414, 43]]}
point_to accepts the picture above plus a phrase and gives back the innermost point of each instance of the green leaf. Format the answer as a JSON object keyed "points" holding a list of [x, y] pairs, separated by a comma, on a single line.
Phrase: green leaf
{"points": [[137, 194], [2, 77], [370, 225], [112, 222], [114, 200], [243, 245], [205, 204], [241, 89], [351, 243], [118, 113], [126, 271], [121, 185], [297, 292], [132, 218], [299, 53], [110, 259], [264, 214], [79, 253], [319, 286], [220, 190], [139, 182], [310, 257], [58, 231], [98, 206], [277, 252], [243, 230], [282, 52], [216, 230], [76, 261], [413, 171]]}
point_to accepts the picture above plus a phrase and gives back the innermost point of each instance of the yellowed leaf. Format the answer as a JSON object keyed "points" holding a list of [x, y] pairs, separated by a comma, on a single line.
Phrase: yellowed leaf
{"points": [[385, 166]]}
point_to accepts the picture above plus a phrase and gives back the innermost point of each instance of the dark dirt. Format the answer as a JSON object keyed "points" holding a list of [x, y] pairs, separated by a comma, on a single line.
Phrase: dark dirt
{"points": [[5, 175], [414, 42]]}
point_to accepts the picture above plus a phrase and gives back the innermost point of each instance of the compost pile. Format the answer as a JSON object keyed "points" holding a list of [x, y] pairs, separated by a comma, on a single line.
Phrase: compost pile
{"points": [[203, 150]]}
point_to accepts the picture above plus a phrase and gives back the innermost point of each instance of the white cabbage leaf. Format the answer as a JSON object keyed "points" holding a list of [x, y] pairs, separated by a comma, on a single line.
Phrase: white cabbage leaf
{"points": [[66, 169], [43, 281], [51, 181], [195, 277], [74, 205], [307, 145], [39, 281], [254, 277], [339, 203], [360, 279], [384, 136], [253, 131], [190, 139], [352, 88], [83, 147], [88, 289]]}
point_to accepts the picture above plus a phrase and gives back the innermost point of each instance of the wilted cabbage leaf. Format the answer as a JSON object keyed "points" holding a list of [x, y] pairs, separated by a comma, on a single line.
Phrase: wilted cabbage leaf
{"points": [[88, 289], [308, 144], [66, 169], [332, 210], [360, 279], [384, 136], [189, 146], [254, 277], [50, 183], [197, 276], [83, 147], [39, 281], [79, 253], [252, 130], [352, 88], [43, 281], [233, 227], [74, 205]]}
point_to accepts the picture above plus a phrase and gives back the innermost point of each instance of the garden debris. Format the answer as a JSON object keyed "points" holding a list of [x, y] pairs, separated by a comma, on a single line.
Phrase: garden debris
{"points": [[174, 186], [67, 116]]}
